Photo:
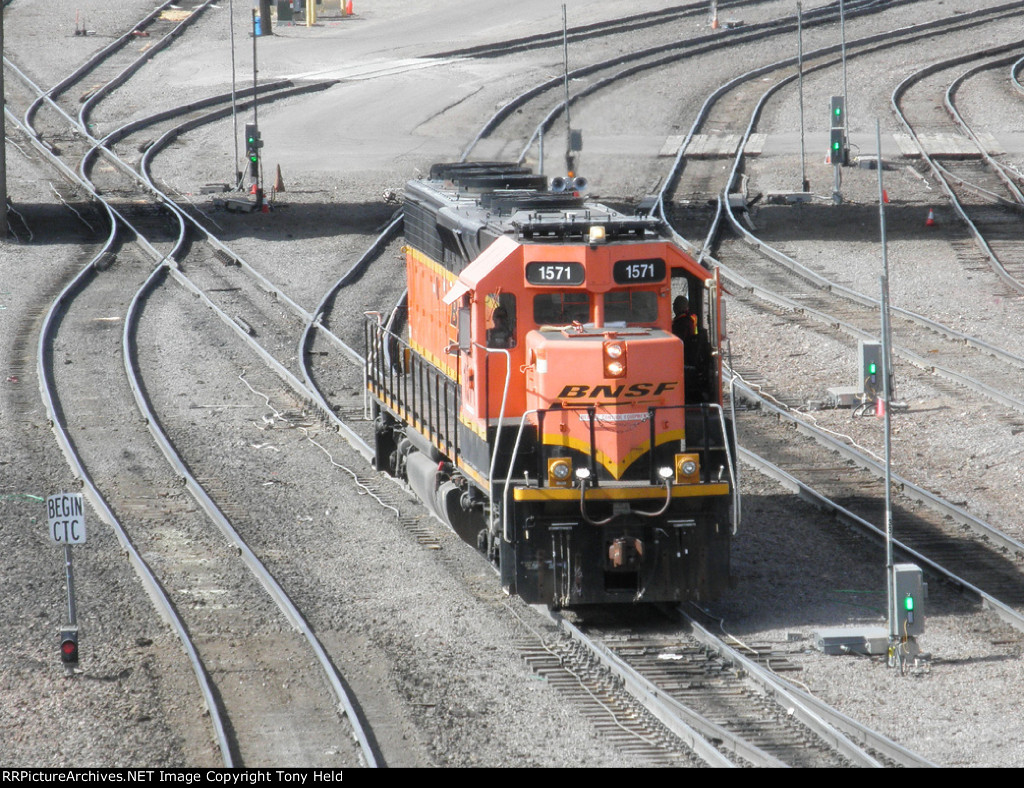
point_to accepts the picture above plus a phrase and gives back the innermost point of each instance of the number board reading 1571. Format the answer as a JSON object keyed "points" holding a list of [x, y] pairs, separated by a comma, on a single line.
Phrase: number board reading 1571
{"points": [[553, 274], [632, 272]]}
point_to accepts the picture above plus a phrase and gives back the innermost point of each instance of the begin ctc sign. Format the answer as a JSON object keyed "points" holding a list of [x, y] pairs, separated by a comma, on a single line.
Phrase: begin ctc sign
{"points": [[65, 513]]}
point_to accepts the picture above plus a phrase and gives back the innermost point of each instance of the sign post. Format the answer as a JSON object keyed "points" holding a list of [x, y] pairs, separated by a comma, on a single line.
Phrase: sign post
{"points": [[65, 515]]}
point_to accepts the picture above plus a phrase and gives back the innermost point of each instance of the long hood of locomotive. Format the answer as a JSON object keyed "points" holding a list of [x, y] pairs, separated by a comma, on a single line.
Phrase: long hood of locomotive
{"points": [[566, 378]]}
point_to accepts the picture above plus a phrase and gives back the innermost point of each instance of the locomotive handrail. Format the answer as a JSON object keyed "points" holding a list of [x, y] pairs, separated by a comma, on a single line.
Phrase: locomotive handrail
{"points": [[539, 412], [406, 387], [501, 410], [508, 478], [733, 476]]}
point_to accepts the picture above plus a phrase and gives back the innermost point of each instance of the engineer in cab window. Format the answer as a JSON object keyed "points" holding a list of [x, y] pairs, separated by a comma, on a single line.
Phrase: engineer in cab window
{"points": [[500, 334], [684, 322]]}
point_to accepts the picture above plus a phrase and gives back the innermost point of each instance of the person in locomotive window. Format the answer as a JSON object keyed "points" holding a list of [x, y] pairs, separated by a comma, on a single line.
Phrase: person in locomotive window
{"points": [[684, 322], [500, 335]]}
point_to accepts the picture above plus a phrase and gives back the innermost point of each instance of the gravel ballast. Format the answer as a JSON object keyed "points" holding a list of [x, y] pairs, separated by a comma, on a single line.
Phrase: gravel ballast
{"points": [[426, 634]]}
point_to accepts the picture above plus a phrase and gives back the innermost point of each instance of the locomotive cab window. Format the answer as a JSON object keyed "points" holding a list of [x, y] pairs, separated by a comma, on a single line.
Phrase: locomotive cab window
{"points": [[561, 308], [630, 307], [501, 320]]}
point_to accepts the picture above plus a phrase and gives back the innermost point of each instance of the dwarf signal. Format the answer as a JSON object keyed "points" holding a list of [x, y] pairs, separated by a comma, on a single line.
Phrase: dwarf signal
{"points": [[69, 645]]}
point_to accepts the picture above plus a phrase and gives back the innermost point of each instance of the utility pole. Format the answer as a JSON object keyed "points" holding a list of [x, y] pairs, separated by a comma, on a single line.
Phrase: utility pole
{"points": [[570, 164], [3, 140], [266, 28], [805, 185], [255, 111]]}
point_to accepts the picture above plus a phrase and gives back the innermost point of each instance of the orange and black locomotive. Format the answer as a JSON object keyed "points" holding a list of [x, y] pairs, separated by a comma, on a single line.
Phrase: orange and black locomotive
{"points": [[541, 396]]}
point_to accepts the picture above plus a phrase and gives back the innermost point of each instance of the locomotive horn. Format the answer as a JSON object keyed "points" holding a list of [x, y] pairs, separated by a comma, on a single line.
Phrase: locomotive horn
{"points": [[580, 183], [559, 184]]}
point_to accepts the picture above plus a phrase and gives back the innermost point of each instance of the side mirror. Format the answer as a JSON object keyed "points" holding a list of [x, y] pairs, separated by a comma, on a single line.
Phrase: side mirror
{"points": [[465, 330]]}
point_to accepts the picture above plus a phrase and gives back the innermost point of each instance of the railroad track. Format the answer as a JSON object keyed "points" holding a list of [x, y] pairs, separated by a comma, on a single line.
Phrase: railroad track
{"points": [[142, 495], [228, 287], [983, 193], [961, 549], [730, 709]]}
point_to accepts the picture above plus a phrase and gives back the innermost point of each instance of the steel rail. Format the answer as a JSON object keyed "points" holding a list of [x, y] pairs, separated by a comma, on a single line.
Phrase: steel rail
{"points": [[368, 750], [907, 488], [601, 29], [1015, 70], [827, 285], [1005, 276], [816, 716], [47, 388], [93, 61], [1000, 171], [314, 324], [921, 362], [256, 566], [694, 729], [1005, 612], [712, 41], [882, 40], [847, 729], [165, 41]]}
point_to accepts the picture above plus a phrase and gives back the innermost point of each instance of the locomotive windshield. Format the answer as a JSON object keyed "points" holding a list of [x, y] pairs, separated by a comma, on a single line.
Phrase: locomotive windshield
{"points": [[561, 308], [630, 307]]}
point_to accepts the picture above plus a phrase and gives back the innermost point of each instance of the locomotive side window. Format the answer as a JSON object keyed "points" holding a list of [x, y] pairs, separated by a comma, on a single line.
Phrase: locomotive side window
{"points": [[501, 320], [560, 309], [630, 307]]}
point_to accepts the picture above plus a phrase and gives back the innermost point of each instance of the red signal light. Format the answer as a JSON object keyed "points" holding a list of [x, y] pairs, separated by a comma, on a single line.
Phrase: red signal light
{"points": [[69, 646]]}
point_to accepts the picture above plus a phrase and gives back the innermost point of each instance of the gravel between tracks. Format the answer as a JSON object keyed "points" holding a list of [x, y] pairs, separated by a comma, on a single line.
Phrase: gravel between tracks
{"points": [[135, 702]]}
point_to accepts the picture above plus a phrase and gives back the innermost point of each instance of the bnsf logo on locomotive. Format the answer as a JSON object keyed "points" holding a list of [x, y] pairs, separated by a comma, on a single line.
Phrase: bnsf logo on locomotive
{"points": [[635, 390]]}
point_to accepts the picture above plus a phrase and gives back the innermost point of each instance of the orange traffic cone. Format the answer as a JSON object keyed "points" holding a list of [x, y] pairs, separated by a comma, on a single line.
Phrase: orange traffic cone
{"points": [[348, 8], [885, 196], [880, 407], [253, 189], [714, 22], [278, 181], [930, 221]]}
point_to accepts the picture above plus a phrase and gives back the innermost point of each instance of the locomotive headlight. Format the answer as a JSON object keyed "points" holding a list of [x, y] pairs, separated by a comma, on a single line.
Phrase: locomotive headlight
{"points": [[614, 359], [559, 472], [687, 469]]}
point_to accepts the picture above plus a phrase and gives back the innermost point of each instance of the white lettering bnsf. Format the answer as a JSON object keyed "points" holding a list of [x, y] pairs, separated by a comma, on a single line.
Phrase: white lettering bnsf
{"points": [[614, 392]]}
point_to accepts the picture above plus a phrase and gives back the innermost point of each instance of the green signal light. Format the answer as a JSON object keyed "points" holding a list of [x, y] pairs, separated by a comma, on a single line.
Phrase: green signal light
{"points": [[908, 604], [872, 369]]}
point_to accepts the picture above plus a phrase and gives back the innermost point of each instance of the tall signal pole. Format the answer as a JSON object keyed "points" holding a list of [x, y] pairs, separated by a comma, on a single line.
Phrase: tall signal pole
{"points": [[3, 139]]}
